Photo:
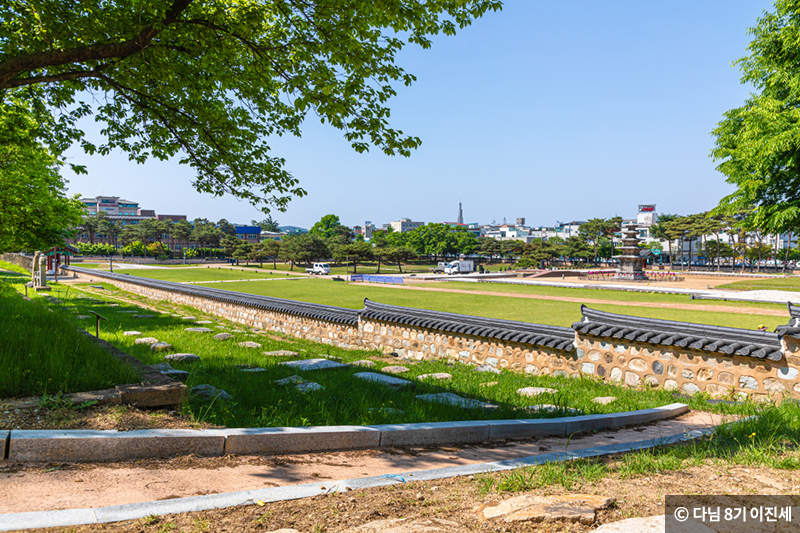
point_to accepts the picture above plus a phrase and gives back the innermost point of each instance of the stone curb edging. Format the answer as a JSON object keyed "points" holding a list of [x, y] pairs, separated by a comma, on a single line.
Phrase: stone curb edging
{"points": [[113, 445], [116, 513]]}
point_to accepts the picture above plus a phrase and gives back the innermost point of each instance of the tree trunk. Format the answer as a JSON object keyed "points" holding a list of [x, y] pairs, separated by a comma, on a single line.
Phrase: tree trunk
{"points": [[399, 266], [786, 257]]}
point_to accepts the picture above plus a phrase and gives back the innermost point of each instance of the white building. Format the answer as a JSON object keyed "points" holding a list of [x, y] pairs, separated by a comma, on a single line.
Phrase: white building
{"points": [[405, 224]]}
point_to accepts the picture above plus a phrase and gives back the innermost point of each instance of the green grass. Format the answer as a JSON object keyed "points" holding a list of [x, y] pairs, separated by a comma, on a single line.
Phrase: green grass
{"points": [[43, 352], [550, 312], [258, 402], [198, 274], [597, 294], [781, 284], [769, 439]]}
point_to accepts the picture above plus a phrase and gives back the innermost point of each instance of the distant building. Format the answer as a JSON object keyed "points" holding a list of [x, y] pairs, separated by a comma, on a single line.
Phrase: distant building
{"points": [[272, 235], [521, 221], [250, 234], [405, 224], [111, 205], [173, 218], [460, 215], [365, 230]]}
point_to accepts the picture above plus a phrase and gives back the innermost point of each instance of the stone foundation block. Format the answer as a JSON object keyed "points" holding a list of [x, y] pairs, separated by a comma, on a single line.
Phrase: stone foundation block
{"points": [[161, 395], [252, 441], [111, 445], [433, 433]]}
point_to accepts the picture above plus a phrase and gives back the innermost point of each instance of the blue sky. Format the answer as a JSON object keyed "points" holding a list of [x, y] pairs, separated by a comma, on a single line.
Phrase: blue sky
{"points": [[548, 110]]}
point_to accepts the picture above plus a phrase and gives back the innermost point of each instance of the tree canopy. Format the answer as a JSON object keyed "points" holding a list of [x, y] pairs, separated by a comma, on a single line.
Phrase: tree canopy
{"points": [[209, 81], [758, 144], [35, 213]]}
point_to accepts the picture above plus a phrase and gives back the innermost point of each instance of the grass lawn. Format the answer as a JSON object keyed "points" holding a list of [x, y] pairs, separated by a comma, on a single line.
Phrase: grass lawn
{"points": [[780, 284], [199, 274], [258, 402], [551, 312], [43, 352], [596, 294]]}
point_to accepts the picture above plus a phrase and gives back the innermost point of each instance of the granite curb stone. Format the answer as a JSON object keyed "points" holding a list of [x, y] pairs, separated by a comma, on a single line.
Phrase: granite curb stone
{"points": [[112, 445], [249, 441], [71, 444]]}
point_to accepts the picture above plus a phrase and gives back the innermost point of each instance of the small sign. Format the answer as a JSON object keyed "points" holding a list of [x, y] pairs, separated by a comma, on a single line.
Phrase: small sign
{"points": [[655, 251]]}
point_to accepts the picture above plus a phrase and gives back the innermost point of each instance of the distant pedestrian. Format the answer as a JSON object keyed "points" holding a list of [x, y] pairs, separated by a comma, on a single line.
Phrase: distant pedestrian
{"points": [[762, 327]]}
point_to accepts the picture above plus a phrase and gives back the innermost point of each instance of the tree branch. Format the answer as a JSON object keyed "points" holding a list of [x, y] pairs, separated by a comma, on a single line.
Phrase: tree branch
{"points": [[53, 58]]}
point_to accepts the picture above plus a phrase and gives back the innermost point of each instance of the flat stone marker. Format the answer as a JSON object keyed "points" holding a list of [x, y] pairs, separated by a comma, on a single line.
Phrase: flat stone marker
{"points": [[163, 367], [124, 311], [98, 287], [436, 375], [535, 391], [190, 318], [182, 357], [132, 333], [146, 340], [249, 344], [180, 375], [84, 316], [569, 508], [309, 387], [487, 368], [547, 408], [281, 353], [223, 336], [209, 391], [199, 330], [394, 369], [604, 400], [204, 322], [112, 305], [383, 379], [291, 380], [256, 369], [314, 364], [142, 316], [161, 347], [454, 399], [489, 384], [364, 362]]}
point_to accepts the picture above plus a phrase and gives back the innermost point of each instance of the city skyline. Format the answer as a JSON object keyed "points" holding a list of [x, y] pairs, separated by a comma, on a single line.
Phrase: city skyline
{"points": [[547, 112]]}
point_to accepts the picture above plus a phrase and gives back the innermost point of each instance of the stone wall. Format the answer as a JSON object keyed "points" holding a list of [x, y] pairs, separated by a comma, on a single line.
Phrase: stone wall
{"points": [[426, 344], [24, 261], [635, 364], [316, 330], [688, 371]]}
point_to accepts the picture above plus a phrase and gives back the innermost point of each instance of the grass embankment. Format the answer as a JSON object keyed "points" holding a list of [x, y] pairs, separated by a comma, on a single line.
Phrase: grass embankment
{"points": [[550, 312], [43, 352], [11, 267], [781, 284], [259, 402]]}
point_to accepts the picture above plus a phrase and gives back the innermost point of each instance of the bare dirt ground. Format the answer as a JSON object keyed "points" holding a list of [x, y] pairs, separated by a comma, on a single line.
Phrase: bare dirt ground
{"points": [[42, 487], [460, 500], [685, 307]]}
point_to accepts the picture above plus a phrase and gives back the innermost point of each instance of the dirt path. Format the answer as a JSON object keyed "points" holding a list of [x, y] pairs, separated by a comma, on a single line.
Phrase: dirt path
{"points": [[685, 307], [48, 487]]}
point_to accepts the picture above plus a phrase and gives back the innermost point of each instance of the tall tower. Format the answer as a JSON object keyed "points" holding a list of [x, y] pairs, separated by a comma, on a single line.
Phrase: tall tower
{"points": [[460, 214]]}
